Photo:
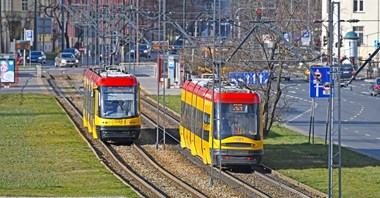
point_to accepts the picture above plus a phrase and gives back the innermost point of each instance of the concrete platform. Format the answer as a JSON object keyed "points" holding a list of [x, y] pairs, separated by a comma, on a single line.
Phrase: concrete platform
{"points": [[152, 87]]}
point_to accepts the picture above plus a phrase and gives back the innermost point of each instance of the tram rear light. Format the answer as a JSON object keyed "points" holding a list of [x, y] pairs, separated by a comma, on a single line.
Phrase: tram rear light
{"points": [[249, 158], [227, 158], [377, 87]]}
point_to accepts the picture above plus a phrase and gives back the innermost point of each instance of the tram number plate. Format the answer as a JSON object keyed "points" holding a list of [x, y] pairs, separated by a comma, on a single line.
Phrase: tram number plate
{"points": [[238, 139]]}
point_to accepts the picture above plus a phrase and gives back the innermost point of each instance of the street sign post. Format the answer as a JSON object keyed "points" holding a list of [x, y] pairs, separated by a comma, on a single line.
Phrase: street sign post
{"points": [[287, 36], [305, 38], [321, 88], [29, 36]]}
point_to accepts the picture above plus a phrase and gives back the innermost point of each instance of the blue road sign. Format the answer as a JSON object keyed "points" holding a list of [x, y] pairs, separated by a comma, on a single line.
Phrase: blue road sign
{"points": [[249, 78], [305, 34], [376, 43], [287, 36], [29, 35], [320, 89]]}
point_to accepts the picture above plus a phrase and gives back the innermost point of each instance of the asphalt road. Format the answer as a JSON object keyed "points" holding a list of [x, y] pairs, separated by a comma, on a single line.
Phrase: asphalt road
{"points": [[359, 115]]}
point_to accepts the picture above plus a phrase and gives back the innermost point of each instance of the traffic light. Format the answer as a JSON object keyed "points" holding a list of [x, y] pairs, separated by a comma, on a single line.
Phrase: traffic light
{"points": [[324, 40], [341, 42], [126, 42], [258, 14]]}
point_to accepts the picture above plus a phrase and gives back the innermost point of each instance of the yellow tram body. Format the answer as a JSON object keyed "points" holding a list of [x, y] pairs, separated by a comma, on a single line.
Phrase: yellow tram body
{"points": [[244, 146], [111, 109]]}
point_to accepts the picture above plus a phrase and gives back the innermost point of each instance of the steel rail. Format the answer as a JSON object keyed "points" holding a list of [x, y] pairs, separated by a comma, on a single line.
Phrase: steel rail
{"points": [[130, 172]]}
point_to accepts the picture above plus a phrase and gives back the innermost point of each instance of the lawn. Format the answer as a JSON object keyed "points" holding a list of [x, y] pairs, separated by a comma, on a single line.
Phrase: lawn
{"points": [[289, 153], [41, 153]]}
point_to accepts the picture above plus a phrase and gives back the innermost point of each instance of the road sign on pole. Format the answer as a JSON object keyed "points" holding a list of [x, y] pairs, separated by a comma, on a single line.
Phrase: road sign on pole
{"points": [[29, 36], [321, 88]]}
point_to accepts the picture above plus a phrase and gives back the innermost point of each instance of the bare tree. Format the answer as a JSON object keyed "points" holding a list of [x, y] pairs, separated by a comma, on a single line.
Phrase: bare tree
{"points": [[264, 50], [13, 23], [54, 11]]}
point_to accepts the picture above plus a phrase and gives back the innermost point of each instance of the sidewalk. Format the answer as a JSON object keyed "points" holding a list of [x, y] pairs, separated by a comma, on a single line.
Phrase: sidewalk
{"points": [[149, 85], [28, 82]]}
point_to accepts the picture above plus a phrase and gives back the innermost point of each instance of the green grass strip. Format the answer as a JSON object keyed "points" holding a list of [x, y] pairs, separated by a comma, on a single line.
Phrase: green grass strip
{"points": [[41, 154]]}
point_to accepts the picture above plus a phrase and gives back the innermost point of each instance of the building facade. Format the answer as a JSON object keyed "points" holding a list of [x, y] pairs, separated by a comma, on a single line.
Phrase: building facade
{"points": [[16, 15], [367, 27]]}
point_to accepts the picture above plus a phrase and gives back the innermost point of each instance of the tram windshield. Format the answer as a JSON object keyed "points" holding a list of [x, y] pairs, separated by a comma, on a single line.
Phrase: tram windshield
{"points": [[239, 119], [118, 102]]}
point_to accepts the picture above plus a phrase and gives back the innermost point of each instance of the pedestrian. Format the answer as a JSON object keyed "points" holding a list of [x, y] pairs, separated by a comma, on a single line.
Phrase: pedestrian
{"points": [[7, 72]]}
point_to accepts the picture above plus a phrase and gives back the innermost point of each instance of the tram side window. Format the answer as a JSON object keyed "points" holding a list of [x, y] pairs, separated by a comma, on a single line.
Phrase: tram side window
{"points": [[199, 124], [192, 118], [188, 114], [206, 126], [183, 112]]}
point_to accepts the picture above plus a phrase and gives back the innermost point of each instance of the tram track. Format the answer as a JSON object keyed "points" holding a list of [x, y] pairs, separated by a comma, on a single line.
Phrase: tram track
{"points": [[260, 180], [243, 185], [155, 184]]}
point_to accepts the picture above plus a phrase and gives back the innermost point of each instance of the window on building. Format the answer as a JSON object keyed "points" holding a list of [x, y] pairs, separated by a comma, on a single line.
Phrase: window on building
{"points": [[359, 30], [358, 5], [24, 5]]}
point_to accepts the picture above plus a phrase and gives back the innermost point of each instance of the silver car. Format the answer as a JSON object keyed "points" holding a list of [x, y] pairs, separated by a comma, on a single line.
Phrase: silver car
{"points": [[65, 59]]}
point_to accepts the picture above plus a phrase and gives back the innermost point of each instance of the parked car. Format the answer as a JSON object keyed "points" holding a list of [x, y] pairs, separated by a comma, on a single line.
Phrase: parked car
{"points": [[74, 51], [65, 59], [374, 88], [37, 56], [145, 51]]}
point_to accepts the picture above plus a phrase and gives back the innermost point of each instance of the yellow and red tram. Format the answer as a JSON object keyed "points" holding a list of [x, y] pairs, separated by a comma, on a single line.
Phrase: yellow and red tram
{"points": [[236, 135], [111, 109]]}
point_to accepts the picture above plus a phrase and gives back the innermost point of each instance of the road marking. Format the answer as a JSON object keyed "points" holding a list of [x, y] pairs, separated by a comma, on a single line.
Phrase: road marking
{"points": [[367, 135], [356, 131], [378, 138], [298, 116]]}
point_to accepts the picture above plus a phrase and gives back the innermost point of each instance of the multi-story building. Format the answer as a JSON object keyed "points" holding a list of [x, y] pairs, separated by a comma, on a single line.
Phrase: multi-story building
{"points": [[16, 15], [367, 28], [19, 15]]}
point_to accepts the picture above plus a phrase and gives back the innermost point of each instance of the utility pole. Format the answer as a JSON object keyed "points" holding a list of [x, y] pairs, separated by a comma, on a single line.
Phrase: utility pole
{"points": [[137, 52], [96, 54], [334, 107], [1, 28], [35, 35], [63, 26]]}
